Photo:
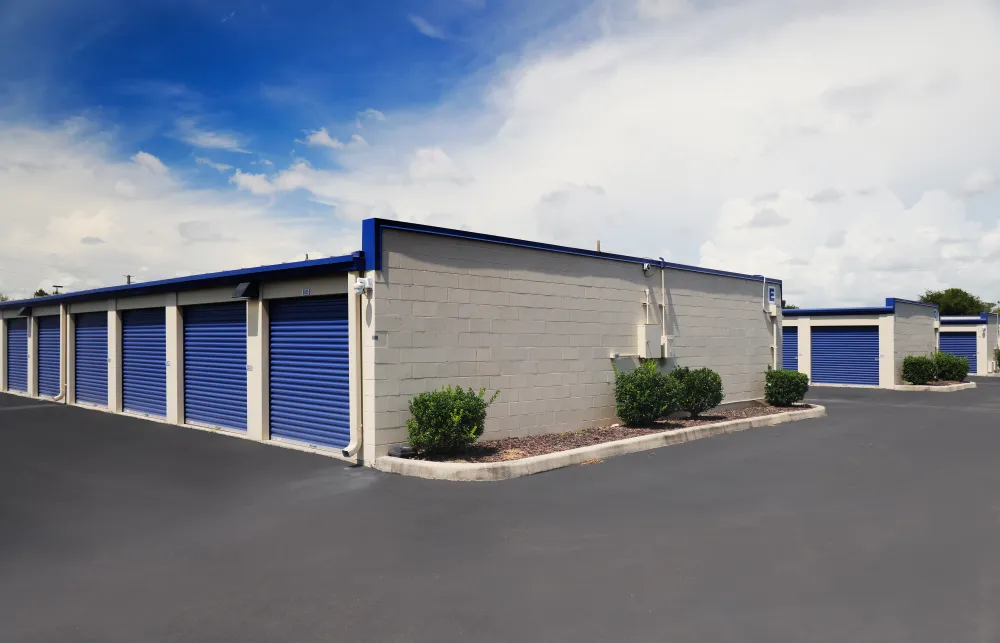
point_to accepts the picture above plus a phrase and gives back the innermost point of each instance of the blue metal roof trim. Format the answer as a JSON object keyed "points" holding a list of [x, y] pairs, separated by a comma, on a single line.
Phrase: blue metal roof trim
{"points": [[953, 320], [372, 246], [890, 307], [801, 312], [291, 270]]}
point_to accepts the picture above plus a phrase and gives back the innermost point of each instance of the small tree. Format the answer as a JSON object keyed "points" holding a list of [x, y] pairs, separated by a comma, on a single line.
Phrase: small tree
{"points": [[41, 293], [955, 301], [4, 297]]}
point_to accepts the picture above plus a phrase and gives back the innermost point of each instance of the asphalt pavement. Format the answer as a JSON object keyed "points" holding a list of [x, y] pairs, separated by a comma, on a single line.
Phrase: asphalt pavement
{"points": [[880, 522]]}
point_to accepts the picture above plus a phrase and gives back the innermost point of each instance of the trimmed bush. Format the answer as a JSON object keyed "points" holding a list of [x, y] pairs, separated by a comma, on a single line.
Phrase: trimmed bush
{"points": [[919, 369], [951, 367], [448, 419], [785, 388], [698, 390], [644, 395]]}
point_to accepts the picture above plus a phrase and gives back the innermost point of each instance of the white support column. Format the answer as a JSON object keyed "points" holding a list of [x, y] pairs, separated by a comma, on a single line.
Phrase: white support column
{"points": [[32, 357], [175, 361], [805, 346], [114, 358], [3, 355], [70, 365], [66, 361], [368, 374], [887, 375], [257, 371], [982, 353], [354, 361]]}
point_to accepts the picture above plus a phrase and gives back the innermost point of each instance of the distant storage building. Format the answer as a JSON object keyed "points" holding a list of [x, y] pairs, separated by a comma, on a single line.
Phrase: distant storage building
{"points": [[973, 337], [325, 355], [858, 346]]}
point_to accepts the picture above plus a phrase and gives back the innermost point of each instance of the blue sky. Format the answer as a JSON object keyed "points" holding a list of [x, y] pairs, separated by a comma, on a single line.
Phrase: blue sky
{"points": [[266, 70], [847, 146]]}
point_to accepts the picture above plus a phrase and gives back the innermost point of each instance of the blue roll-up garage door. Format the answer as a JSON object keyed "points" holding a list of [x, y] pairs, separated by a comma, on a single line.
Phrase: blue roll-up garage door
{"points": [[48, 355], [90, 362], [310, 399], [845, 355], [17, 355], [215, 365], [790, 348], [961, 344], [144, 361]]}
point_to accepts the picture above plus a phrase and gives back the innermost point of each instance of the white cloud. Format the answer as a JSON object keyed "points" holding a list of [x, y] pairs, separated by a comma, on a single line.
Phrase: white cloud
{"points": [[253, 183], [80, 214], [979, 182], [221, 167], [683, 122], [427, 28], [322, 138], [150, 162], [189, 132]]}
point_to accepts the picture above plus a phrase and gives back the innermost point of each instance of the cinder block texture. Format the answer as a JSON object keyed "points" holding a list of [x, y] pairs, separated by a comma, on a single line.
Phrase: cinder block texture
{"points": [[914, 334], [540, 327]]}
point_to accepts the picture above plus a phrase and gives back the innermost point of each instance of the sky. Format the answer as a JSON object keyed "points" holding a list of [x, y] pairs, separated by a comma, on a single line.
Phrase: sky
{"points": [[850, 148]]}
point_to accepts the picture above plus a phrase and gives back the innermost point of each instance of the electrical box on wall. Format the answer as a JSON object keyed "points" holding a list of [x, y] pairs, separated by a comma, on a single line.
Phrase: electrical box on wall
{"points": [[649, 341]]}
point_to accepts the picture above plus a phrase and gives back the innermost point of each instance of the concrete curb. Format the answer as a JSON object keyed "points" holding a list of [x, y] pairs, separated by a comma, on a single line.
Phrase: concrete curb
{"points": [[471, 472], [964, 386]]}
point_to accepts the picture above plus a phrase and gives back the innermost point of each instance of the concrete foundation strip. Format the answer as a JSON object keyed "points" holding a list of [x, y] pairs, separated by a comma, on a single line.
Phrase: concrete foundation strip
{"points": [[469, 472], [951, 388]]}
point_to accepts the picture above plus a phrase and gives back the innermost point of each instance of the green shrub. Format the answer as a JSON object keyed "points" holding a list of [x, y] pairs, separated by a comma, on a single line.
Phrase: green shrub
{"points": [[644, 395], [918, 369], [697, 390], [448, 419], [951, 367], [784, 388]]}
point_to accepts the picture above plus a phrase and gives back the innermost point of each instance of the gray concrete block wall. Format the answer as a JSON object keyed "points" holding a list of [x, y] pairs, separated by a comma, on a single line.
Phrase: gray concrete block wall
{"points": [[540, 327], [914, 334]]}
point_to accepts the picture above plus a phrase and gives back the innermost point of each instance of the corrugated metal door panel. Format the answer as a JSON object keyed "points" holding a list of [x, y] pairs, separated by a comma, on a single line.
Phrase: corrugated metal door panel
{"points": [[90, 364], [144, 361], [215, 365], [790, 348], [17, 355], [845, 355], [961, 344], [48, 355], [309, 388]]}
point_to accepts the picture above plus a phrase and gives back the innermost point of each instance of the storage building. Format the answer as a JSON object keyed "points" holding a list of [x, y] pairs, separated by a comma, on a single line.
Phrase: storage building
{"points": [[973, 337], [858, 346], [325, 355]]}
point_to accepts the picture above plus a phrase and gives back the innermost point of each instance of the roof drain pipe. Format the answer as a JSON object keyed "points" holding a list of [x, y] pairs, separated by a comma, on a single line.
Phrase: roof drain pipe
{"points": [[63, 332], [355, 444], [663, 308]]}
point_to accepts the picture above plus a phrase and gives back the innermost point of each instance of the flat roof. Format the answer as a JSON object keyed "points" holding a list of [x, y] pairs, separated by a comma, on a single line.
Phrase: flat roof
{"points": [[372, 246], [293, 270], [889, 308]]}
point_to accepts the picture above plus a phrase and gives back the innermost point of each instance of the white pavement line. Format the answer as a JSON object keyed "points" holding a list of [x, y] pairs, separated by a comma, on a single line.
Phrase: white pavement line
{"points": [[464, 471]]}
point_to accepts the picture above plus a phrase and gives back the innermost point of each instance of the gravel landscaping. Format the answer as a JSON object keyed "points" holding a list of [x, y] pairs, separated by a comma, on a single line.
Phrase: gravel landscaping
{"points": [[524, 447]]}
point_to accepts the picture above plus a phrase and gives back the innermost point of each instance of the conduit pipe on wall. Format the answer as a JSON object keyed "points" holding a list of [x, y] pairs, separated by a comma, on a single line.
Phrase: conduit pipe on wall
{"points": [[663, 306]]}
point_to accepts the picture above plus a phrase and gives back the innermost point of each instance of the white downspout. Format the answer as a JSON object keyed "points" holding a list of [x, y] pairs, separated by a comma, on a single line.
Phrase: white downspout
{"points": [[63, 376], [357, 437]]}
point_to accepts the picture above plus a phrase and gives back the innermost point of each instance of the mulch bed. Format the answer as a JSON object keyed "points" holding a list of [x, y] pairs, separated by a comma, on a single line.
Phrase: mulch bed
{"points": [[532, 445]]}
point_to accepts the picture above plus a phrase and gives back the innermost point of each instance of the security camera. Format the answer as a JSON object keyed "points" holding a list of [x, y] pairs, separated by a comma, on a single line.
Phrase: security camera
{"points": [[645, 267], [361, 286]]}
